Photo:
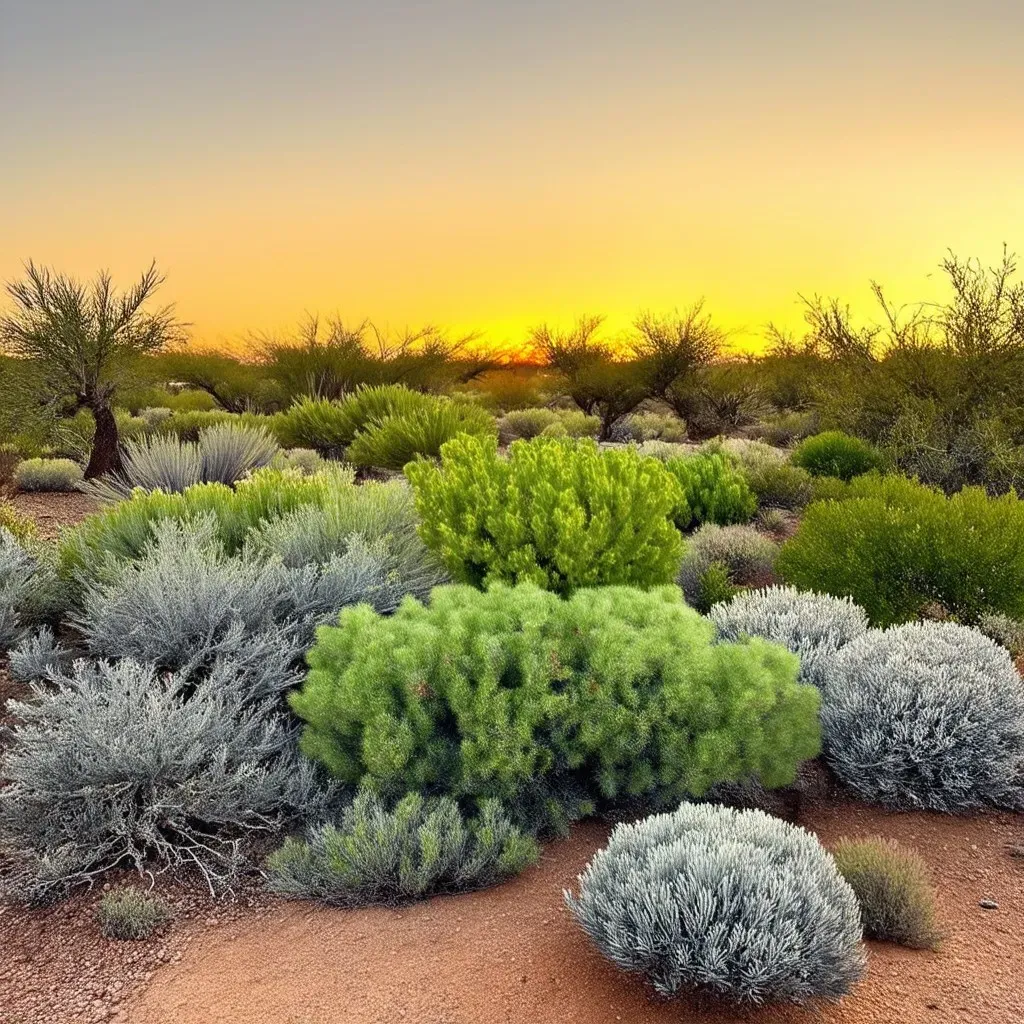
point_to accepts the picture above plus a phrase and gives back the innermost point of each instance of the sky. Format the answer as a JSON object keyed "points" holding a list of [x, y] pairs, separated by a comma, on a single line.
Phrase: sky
{"points": [[494, 165]]}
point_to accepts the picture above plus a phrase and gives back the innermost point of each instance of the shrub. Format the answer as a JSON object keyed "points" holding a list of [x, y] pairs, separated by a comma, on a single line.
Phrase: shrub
{"points": [[812, 626], [1005, 631], [926, 715], [155, 415], [735, 903], [557, 513], [397, 440], [775, 481], [715, 491], [893, 889], [649, 426], [526, 423], [547, 704], [663, 450], [36, 654], [18, 525], [186, 425], [126, 765], [573, 423], [739, 553], [28, 591], [48, 475], [304, 460], [131, 914], [782, 430], [896, 547], [834, 453], [394, 856]]}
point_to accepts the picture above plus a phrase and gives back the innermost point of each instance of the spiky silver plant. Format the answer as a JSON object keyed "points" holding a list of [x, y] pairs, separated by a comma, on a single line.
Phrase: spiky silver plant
{"points": [[926, 715], [735, 903], [813, 626]]}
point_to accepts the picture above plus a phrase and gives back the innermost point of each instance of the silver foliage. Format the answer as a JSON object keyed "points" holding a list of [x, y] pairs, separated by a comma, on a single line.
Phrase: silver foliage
{"points": [[813, 626], [735, 903], [926, 715], [37, 654], [29, 589], [746, 554]]}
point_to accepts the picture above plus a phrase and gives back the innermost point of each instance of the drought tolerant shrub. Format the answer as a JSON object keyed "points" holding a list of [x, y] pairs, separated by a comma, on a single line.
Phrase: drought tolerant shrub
{"points": [[155, 415], [650, 426], [526, 423], [558, 513], [740, 554], [28, 590], [573, 423], [394, 856], [187, 425], [126, 765], [896, 547], [18, 525], [305, 460], [47, 475], [715, 491], [1005, 631], [131, 914], [893, 889], [549, 704], [775, 481], [734, 903], [36, 654], [926, 716], [834, 453], [663, 450], [812, 626]]}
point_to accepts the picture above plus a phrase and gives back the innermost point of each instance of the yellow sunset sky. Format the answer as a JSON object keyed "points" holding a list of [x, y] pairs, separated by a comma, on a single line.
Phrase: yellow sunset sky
{"points": [[493, 165]]}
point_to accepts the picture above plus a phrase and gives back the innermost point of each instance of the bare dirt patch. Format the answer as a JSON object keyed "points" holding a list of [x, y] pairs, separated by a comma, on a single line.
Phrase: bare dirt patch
{"points": [[54, 510]]}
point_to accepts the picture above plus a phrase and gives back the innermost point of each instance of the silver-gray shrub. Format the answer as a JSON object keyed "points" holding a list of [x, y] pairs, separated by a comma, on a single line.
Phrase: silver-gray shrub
{"points": [[379, 854], [747, 555], [48, 475], [29, 589], [926, 715], [36, 654], [125, 765], [735, 903], [812, 626], [230, 451], [307, 461]]}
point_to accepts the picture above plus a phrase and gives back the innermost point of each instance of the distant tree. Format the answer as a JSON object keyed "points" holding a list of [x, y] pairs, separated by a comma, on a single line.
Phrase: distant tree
{"points": [[85, 338]]}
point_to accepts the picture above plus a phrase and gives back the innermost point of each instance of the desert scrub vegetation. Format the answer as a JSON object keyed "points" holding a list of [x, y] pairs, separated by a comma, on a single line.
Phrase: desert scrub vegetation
{"points": [[550, 705], [559, 513], [834, 453], [926, 715], [734, 556], [130, 914], [714, 488], [734, 903], [893, 890], [47, 475], [897, 547], [378, 854], [17, 524]]}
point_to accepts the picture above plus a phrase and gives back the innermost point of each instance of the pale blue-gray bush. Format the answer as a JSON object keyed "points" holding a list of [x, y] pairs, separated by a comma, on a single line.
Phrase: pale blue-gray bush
{"points": [[927, 715], [36, 654], [734, 903], [812, 626]]}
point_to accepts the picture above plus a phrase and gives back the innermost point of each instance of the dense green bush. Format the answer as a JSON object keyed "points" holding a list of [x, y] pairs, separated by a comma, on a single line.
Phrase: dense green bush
{"points": [[550, 705], [573, 423], [897, 547], [558, 513], [526, 423], [733, 903], [395, 856], [714, 488], [891, 884], [834, 453]]}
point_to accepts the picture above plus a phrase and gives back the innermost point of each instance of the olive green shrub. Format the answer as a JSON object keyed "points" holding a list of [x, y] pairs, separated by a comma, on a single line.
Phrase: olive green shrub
{"points": [[715, 490]]}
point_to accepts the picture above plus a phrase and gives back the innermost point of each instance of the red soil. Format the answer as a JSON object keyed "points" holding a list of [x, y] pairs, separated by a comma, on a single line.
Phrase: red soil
{"points": [[51, 511], [514, 954]]}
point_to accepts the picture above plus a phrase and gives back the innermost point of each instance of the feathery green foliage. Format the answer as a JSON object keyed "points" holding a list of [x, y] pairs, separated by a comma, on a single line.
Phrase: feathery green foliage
{"points": [[559, 513], [550, 705], [714, 488], [834, 453]]}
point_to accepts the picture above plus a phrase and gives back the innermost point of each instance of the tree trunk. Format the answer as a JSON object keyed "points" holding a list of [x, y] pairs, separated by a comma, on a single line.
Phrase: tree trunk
{"points": [[106, 452]]}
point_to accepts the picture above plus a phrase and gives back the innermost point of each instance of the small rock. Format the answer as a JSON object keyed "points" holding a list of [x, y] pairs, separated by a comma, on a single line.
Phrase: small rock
{"points": [[988, 904]]}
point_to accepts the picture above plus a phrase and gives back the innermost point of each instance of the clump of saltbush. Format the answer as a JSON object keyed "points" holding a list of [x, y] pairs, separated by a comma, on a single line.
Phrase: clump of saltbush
{"points": [[893, 889], [550, 705], [1005, 631], [394, 855], [926, 715], [738, 555], [776, 482], [812, 626], [130, 914], [559, 513], [29, 593], [897, 547], [714, 490], [733, 903], [525, 423], [47, 475], [305, 460], [834, 453], [650, 426]]}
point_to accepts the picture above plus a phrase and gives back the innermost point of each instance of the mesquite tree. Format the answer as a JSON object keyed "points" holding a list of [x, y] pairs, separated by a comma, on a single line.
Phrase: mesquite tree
{"points": [[83, 337]]}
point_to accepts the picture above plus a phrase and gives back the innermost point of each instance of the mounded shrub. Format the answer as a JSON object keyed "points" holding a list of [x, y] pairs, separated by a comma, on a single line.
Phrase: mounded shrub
{"points": [[525, 423], [305, 460], [775, 481], [550, 705], [734, 903], [418, 848], [650, 426], [557, 513], [741, 556], [715, 490], [131, 914], [926, 716], [188, 424], [573, 423], [897, 547], [48, 475], [28, 590], [893, 889], [834, 453], [812, 626]]}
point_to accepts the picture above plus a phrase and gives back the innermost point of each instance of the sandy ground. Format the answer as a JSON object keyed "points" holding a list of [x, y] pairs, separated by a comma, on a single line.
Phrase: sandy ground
{"points": [[51, 511]]}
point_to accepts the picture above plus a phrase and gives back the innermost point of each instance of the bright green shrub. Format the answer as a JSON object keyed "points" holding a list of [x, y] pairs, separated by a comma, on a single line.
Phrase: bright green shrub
{"points": [[834, 453], [19, 526], [715, 490], [394, 856], [550, 705], [559, 513], [896, 547], [187, 425], [397, 440]]}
